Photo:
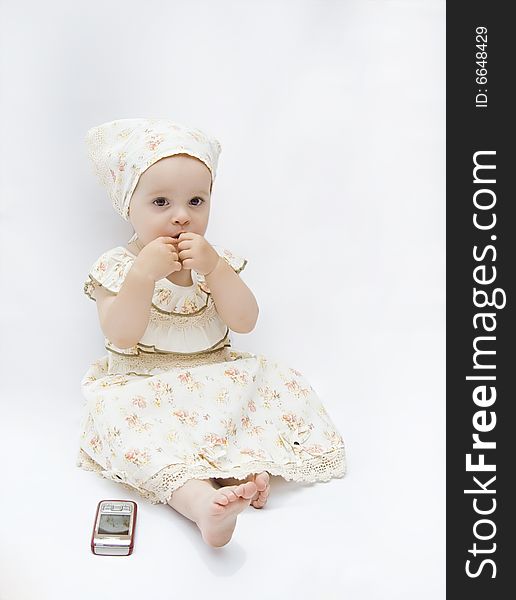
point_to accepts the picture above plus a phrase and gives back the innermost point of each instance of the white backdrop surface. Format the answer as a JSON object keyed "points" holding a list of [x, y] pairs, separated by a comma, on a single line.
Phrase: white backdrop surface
{"points": [[331, 183]]}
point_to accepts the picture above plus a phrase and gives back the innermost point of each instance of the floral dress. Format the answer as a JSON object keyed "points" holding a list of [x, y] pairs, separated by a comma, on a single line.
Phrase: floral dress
{"points": [[182, 404]]}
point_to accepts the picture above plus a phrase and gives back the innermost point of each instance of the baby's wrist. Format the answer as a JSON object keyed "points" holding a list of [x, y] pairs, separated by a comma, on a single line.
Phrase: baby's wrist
{"points": [[139, 271], [219, 259]]}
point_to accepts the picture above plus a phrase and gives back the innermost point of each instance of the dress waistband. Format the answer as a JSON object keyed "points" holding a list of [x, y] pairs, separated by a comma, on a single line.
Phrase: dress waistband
{"points": [[154, 363]]}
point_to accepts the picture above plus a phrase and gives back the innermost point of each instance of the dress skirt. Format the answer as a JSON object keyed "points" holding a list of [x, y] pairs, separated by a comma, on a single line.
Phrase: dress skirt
{"points": [[152, 427]]}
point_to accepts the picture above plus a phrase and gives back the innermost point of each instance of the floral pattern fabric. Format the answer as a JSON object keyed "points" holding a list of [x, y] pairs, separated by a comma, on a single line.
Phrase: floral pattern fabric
{"points": [[153, 420]]}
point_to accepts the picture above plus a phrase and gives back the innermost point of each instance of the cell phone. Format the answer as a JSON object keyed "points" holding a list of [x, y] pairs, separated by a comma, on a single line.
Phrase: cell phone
{"points": [[114, 527]]}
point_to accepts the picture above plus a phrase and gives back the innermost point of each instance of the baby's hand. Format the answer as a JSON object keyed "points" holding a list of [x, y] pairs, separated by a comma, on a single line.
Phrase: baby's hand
{"points": [[195, 252], [159, 258]]}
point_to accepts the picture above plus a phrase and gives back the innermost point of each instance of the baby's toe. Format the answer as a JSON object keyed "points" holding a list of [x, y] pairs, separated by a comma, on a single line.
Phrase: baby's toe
{"points": [[262, 480], [246, 490], [260, 499], [259, 503], [226, 495]]}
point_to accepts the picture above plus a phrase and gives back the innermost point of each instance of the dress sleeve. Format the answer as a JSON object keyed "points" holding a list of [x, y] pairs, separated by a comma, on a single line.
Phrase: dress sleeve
{"points": [[237, 263], [108, 271]]}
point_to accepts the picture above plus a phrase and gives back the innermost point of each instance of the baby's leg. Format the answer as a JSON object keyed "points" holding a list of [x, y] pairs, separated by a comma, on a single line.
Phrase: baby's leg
{"points": [[214, 510]]}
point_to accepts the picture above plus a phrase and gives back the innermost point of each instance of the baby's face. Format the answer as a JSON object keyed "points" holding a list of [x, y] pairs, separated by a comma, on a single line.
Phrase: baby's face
{"points": [[171, 196]]}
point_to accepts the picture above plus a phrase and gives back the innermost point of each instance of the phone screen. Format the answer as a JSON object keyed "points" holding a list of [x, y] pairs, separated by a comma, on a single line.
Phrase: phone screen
{"points": [[114, 524]]}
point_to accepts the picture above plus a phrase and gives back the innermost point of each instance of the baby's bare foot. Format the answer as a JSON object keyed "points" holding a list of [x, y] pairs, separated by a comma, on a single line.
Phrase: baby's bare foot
{"points": [[220, 510], [263, 486]]}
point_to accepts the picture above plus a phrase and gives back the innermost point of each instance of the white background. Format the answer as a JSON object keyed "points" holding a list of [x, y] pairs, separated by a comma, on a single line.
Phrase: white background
{"points": [[331, 183]]}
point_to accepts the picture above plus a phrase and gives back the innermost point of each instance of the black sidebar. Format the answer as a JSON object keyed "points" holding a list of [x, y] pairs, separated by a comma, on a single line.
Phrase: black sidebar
{"points": [[481, 253]]}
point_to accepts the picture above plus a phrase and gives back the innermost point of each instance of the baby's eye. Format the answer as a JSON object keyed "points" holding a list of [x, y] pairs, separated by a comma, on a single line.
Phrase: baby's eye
{"points": [[201, 200], [159, 199]]}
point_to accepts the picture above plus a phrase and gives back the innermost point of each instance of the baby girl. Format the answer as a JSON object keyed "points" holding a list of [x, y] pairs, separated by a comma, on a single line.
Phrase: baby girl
{"points": [[172, 412]]}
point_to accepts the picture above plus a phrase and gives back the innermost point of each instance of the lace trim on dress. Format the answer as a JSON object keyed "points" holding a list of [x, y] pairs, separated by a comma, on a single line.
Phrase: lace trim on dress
{"points": [[153, 364], [158, 489]]}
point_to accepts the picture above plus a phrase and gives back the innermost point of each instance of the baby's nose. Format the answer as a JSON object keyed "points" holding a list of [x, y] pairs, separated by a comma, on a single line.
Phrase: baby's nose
{"points": [[180, 219]]}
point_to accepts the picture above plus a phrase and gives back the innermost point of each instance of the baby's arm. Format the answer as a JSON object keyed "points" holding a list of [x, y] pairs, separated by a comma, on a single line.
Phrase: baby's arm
{"points": [[124, 317], [234, 301]]}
